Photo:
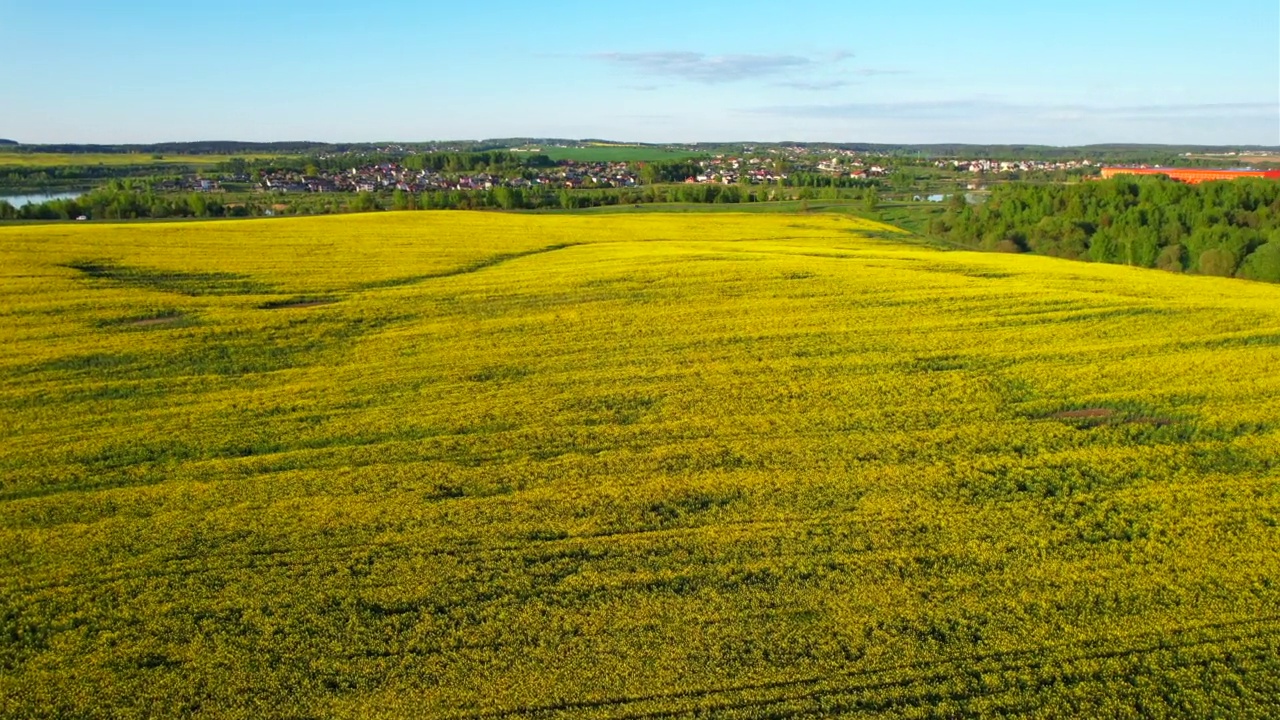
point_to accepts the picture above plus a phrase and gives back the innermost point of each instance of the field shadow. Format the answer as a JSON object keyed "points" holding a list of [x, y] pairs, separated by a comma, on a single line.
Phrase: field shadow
{"points": [[171, 281], [471, 267], [300, 302]]}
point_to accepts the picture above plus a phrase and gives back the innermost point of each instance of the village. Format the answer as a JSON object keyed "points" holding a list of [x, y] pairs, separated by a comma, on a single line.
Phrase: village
{"points": [[999, 166], [390, 176], [567, 174], [775, 166]]}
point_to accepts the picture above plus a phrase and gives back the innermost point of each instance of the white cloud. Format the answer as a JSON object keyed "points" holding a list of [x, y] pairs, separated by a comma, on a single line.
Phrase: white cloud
{"points": [[814, 85], [711, 69]]}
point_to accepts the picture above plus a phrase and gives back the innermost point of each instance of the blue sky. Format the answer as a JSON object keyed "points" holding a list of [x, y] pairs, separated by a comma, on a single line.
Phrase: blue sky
{"points": [[994, 71]]}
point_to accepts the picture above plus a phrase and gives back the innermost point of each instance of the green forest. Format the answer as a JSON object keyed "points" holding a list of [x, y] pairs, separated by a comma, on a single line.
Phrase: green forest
{"points": [[1217, 228]]}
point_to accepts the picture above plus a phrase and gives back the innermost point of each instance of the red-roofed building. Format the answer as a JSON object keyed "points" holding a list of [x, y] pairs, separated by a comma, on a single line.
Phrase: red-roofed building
{"points": [[1191, 176]]}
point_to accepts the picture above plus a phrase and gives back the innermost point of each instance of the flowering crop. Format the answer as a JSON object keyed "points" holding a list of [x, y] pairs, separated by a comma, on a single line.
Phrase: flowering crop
{"points": [[473, 465]]}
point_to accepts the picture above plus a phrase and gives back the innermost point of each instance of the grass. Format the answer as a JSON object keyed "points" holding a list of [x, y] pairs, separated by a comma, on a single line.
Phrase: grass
{"points": [[910, 215], [482, 465]]}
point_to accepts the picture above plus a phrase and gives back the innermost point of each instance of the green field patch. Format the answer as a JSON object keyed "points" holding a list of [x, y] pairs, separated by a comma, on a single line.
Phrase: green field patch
{"points": [[372, 438], [960, 632], [299, 342], [171, 281], [631, 288], [99, 364], [235, 352], [1227, 457], [1134, 423], [1113, 520], [116, 456], [945, 362], [499, 374], [459, 490], [1043, 479], [965, 271], [154, 319], [300, 302], [680, 460], [619, 409], [114, 465], [884, 234], [1262, 340], [1086, 415], [1092, 315], [546, 535], [683, 508]]}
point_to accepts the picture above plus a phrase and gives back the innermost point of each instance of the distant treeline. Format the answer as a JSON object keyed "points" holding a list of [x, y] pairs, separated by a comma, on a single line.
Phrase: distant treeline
{"points": [[1217, 228], [123, 200], [209, 147], [66, 176], [695, 193], [232, 147], [491, 161], [498, 162]]}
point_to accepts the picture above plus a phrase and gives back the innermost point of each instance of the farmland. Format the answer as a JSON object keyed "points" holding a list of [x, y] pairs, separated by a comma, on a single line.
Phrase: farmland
{"points": [[482, 465]]}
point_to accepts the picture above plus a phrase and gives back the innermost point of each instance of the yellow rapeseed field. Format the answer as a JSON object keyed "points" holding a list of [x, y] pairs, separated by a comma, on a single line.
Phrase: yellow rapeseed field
{"points": [[471, 465]]}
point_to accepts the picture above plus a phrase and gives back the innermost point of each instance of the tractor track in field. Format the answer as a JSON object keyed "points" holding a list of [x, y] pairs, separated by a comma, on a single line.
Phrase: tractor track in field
{"points": [[920, 683], [472, 267]]}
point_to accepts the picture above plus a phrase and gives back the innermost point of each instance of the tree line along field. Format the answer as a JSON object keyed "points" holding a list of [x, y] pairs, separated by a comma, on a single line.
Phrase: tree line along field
{"points": [[475, 465]]}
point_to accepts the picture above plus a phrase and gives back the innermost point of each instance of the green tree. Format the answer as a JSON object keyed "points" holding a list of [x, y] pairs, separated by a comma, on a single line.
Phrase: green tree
{"points": [[1263, 263], [364, 202], [503, 197], [1172, 258], [870, 199], [1218, 261]]}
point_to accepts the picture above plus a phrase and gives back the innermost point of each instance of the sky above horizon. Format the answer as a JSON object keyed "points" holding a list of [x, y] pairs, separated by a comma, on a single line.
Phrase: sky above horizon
{"points": [[990, 71]]}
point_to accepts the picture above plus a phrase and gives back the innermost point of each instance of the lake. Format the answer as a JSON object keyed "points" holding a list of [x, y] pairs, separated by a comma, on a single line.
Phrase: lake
{"points": [[37, 198]]}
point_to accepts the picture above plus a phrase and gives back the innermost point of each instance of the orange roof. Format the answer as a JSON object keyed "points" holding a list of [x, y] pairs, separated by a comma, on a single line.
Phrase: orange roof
{"points": [[1192, 175]]}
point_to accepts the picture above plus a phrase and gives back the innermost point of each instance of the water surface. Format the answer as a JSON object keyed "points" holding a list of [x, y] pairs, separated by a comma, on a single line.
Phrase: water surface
{"points": [[37, 198]]}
